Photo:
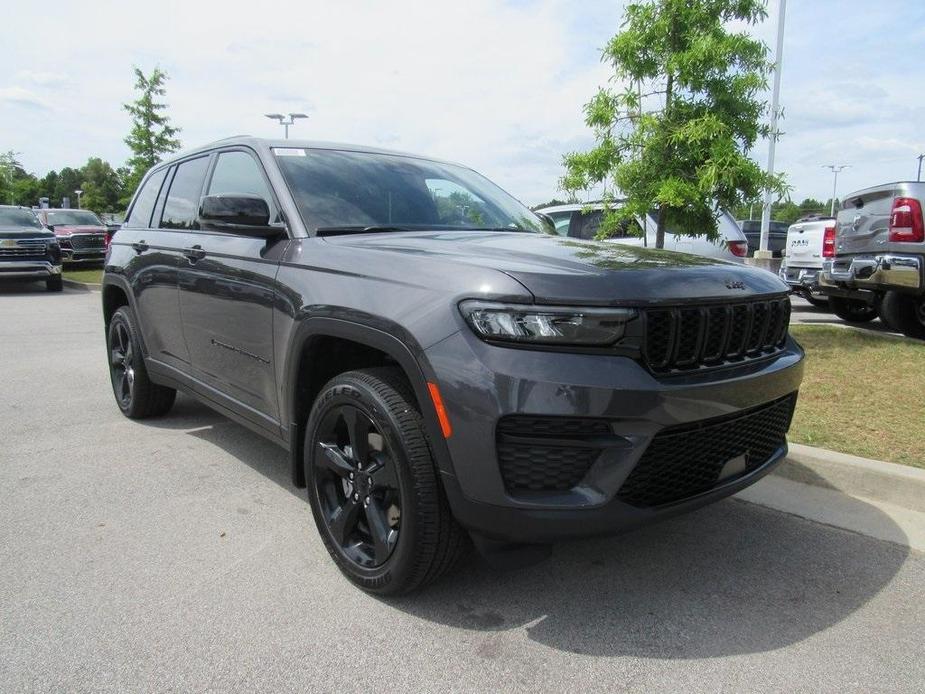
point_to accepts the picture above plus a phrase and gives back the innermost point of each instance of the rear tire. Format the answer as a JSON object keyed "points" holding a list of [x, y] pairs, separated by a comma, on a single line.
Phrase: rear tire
{"points": [[136, 395], [817, 301], [852, 310], [54, 284], [373, 487], [904, 313]]}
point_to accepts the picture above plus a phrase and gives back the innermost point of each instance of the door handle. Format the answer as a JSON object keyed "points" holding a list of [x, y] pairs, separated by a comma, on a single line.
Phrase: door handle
{"points": [[195, 253], [140, 247]]}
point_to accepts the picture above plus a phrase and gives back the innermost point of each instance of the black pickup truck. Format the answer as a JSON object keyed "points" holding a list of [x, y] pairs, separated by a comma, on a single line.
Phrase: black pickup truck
{"points": [[440, 365], [28, 251]]}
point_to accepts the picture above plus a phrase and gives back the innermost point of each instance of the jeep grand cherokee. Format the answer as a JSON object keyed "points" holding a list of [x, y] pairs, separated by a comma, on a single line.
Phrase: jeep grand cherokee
{"points": [[439, 364]]}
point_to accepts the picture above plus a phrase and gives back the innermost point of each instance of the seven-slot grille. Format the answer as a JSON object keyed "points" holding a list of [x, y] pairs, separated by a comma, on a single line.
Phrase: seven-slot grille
{"points": [[88, 242], [686, 460], [683, 338]]}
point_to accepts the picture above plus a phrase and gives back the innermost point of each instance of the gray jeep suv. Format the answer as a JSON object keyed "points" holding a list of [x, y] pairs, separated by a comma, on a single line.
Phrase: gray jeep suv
{"points": [[440, 364]]}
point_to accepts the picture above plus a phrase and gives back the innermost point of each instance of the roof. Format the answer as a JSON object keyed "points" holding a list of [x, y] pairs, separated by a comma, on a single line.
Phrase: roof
{"points": [[264, 143]]}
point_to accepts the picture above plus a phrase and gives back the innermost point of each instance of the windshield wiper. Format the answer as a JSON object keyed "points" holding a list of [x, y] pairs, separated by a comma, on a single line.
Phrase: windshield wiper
{"points": [[498, 229], [336, 231]]}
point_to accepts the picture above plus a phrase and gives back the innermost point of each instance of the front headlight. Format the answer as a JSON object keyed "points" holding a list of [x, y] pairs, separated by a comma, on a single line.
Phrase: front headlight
{"points": [[548, 325]]}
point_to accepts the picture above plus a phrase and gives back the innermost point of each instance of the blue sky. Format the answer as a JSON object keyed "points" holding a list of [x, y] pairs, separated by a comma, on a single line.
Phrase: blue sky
{"points": [[496, 85]]}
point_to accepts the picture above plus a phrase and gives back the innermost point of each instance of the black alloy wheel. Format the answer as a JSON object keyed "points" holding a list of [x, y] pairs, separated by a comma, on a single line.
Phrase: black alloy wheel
{"points": [[136, 395], [373, 484], [357, 486], [121, 360]]}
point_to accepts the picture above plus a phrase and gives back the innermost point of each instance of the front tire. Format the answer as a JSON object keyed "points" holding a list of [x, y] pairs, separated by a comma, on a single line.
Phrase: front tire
{"points": [[373, 486], [136, 395], [852, 310], [904, 313], [54, 284]]}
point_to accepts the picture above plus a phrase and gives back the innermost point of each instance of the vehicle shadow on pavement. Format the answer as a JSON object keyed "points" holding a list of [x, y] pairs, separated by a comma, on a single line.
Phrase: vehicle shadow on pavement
{"points": [[732, 578], [729, 579]]}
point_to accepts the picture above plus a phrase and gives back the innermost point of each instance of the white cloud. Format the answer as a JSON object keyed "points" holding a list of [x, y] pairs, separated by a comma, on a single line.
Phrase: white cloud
{"points": [[22, 97], [42, 79]]}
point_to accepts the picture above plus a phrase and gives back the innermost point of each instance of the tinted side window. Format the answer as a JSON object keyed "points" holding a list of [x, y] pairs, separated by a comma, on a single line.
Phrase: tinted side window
{"points": [[562, 221], [182, 206], [585, 225], [237, 172], [140, 216]]}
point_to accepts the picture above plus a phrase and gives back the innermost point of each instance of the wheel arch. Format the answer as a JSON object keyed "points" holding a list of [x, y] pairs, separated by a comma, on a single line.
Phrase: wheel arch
{"points": [[358, 346]]}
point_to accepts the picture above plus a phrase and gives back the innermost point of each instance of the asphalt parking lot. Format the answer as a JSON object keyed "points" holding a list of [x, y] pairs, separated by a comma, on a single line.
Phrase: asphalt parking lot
{"points": [[175, 555]]}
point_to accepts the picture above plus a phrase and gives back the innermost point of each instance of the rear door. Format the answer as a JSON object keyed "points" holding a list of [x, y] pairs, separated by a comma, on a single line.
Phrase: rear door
{"points": [[227, 297], [152, 272]]}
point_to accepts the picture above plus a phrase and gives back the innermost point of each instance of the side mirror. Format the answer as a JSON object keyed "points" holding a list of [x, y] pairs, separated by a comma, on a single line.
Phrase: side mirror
{"points": [[237, 213]]}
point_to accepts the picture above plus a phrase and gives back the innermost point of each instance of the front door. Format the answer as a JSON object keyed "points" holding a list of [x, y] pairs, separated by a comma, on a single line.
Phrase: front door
{"points": [[153, 271], [227, 298]]}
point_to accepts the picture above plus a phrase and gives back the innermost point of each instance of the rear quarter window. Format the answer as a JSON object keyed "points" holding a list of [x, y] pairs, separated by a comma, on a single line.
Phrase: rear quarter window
{"points": [[140, 216]]}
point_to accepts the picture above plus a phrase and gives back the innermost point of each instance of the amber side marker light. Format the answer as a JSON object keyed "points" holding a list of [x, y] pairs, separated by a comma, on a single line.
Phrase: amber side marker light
{"points": [[441, 410]]}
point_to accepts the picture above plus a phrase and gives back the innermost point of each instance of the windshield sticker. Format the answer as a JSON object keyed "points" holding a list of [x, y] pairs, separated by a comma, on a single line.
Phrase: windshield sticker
{"points": [[288, 152]]}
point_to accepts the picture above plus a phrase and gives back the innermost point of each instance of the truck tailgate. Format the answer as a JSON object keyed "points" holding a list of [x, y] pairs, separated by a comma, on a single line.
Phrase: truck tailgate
{"points": [[864, 221]]}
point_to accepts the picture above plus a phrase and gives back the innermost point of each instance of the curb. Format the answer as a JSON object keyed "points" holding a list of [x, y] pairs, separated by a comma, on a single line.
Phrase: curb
{"points": [[84, 286], [890, 483]]}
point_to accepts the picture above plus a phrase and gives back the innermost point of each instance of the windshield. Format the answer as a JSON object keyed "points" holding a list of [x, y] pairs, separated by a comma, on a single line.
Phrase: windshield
{"points": [[73, 217], [18, 218], [358, 190]]}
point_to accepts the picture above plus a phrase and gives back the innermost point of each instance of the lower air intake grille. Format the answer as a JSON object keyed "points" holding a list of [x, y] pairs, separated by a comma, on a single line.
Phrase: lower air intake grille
{"points": [[547, 454], [687, 460]]}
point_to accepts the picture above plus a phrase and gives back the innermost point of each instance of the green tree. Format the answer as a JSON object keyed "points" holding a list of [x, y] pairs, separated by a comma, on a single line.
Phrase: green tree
{"points": [[101, 185], [151, 135], [67, 181], [676, 136]]}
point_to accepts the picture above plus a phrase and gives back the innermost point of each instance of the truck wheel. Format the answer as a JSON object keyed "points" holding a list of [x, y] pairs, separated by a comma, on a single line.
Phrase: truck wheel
{"points": [[904, 313], [54, 284], [818, 300], [373, 486], [136, 395], [852, 310]]}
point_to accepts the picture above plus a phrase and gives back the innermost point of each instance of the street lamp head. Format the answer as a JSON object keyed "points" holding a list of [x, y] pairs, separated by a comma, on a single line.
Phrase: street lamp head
{"points": [[78, 192], [275, 116], [298, 115]]}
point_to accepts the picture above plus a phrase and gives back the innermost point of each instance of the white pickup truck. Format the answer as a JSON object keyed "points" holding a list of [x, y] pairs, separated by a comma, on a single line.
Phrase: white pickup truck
{"points": [[808, 243], [879, 257]]}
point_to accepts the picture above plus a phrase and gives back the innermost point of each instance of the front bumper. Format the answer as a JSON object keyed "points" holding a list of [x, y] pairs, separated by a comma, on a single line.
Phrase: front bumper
{"points": [[28, 269], [481, 383], [875, 272]]}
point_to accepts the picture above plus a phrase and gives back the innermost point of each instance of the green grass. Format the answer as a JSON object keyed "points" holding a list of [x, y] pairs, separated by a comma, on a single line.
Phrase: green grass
{"points": [[862, 394], [89, 275]]}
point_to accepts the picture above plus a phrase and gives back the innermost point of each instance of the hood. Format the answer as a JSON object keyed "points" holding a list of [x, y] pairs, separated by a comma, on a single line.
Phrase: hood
{"points": [[559, 270], [66, 229], [10, 232]]}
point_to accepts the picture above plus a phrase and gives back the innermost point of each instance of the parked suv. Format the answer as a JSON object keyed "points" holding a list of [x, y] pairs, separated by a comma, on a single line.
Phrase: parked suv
{"points": [[437, 361], [27, 250], [82, 235], [879, 261], [583, 221]]}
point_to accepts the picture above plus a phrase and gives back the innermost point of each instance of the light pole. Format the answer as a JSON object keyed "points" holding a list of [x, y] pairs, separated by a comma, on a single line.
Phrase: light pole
{"points": [[284, 121], [835, 169], [78, 192], [918, 176], [763, 251]]}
